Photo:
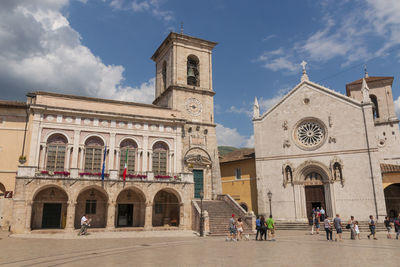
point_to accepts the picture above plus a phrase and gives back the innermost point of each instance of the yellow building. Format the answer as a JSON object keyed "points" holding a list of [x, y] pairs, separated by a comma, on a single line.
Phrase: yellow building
{"points": [[238, 175], [13, 129]]}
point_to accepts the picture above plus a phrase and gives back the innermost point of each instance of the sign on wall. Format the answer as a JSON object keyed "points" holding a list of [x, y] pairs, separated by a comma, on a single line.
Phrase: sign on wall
{"points": [[8, 194]]}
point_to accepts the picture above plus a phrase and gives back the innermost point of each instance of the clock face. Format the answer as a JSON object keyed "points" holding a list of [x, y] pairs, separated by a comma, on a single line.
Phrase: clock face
{"points": [[194, 106]]}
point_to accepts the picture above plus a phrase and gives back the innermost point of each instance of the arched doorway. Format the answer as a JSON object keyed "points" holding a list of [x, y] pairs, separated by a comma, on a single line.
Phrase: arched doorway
{"points": [[92, 202], [314, 192], [392, 199], [166, 209], [49, 208], [131, 208]]}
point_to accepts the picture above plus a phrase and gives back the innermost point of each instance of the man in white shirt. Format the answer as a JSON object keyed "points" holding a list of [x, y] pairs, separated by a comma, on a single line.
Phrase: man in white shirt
{"points": [[84, 225]]}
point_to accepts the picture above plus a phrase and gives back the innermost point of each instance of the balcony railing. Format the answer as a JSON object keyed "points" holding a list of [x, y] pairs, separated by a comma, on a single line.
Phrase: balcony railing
{"points": [[74, 173]]}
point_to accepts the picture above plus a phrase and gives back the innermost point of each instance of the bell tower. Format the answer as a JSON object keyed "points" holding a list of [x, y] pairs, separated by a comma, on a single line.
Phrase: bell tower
{"points": [[184, 83]]}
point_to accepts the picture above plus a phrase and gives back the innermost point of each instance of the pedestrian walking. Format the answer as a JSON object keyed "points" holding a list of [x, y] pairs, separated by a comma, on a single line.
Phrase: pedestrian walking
{"points": [[388, 226], [317, 222], [258, 227], [271, 228], [239, 227], [350, 225], [337, 223], [357, 230], [312, 220], [232, 228], [328, 228], [371, 223], [263, 228], [84, 225], [397, 226], [322, 212]]}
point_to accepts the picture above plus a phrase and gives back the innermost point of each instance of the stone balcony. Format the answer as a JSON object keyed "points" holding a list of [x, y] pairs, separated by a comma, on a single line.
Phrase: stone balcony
{"points": [[111, 175]]}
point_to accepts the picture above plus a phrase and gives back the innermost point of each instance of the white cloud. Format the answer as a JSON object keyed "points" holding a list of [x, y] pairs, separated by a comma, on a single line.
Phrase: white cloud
{"points": [[39, 50], [397, 106], [267, 103], [347, 31], [151, 6], [242, 110], [277, 60], [231, 137]]}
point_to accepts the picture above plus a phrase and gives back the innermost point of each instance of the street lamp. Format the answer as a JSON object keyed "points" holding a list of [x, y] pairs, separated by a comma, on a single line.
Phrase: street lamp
{"points": [[201, 214], [269, 194]]}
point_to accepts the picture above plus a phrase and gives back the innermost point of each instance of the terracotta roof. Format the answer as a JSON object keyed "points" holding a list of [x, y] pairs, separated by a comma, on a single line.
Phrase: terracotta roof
{"points": [[390, 168], [240, 154], [368, 80], [15, 104]]}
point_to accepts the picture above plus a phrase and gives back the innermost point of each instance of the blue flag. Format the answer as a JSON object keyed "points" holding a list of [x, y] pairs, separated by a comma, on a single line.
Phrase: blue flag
{"points": [[104, 163]]}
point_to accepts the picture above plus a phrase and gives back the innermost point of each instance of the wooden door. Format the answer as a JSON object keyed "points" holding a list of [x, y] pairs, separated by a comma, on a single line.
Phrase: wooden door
{"points": [[315, 197], [51, 215]]}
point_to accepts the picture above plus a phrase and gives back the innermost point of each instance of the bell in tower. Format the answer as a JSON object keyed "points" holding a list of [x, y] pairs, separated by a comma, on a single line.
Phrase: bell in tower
{"points": [[192, 71]]}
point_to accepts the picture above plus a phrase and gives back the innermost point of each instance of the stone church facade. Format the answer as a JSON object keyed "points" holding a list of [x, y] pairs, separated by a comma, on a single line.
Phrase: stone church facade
{"points": [[169, 147], [317, 147]]}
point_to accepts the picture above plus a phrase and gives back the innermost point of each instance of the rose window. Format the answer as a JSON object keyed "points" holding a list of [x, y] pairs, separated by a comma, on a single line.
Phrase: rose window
{"points": [[310, 134]]}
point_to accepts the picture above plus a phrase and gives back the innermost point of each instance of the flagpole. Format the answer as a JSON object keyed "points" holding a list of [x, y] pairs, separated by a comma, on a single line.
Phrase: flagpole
{"points": [[104, 166]]}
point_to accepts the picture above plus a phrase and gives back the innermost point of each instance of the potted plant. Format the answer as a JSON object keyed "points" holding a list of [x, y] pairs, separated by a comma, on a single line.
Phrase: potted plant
{"points": [[22, 159]]}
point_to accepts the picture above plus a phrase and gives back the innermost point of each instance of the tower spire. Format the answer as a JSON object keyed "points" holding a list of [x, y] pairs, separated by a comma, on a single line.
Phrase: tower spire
{"points": [[256, 109], [365, 91], [182, 27], [365, 71]]}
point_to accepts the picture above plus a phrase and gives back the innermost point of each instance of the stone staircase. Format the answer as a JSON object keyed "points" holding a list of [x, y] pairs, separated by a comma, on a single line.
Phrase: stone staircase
{"points": [[219, 213], [281, 225]]}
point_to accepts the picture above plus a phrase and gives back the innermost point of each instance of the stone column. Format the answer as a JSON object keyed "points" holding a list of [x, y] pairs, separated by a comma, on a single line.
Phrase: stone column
{"points": [[170, 170], [81, 167], [68, 157], [111, 216], [144, 157], [182, 215], [75, 150], [28, 216], [148, 216], [111, 154], [69, 226], [42, 156], [35, 141], [150, 168]]}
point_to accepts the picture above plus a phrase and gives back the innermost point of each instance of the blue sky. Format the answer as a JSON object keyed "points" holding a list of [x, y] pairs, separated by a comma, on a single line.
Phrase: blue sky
{"points": [[102, 48]]}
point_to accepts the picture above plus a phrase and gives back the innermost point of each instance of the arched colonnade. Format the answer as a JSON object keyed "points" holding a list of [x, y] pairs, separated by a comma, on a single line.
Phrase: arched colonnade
{"points": [[57, 207]]}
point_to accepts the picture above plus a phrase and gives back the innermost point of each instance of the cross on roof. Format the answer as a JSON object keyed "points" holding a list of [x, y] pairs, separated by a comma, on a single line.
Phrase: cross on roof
{"points": [[303, 64]]}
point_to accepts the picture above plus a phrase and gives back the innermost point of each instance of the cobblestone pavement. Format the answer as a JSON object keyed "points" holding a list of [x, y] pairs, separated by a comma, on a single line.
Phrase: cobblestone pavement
{"points": [[292, 248]]}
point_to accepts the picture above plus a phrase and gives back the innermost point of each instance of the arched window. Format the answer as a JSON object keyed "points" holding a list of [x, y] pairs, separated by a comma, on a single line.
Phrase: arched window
{"points": [[193, 71], [56, 148], [164, 75], [160, 152], [93, 154], [375, 108], [128, 149]]}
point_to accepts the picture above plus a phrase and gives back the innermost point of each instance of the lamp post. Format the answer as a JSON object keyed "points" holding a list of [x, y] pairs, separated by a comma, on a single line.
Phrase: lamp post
{"points": [[269, 194], [201, 214]]}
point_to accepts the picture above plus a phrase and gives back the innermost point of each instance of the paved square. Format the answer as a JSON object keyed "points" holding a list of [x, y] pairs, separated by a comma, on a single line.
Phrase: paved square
{"points": [[292, 248]]}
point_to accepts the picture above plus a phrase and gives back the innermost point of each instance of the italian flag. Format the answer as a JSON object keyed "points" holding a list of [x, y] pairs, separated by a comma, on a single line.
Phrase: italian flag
{"points": [[126, 165]]}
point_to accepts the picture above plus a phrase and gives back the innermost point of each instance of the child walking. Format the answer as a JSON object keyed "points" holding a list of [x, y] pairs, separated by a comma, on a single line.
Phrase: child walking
{"points": [[357, 230]]}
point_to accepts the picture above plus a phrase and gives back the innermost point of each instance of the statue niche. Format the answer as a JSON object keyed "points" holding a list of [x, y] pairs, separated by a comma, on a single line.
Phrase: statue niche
{"points": [[337, 173], [287, 175]]}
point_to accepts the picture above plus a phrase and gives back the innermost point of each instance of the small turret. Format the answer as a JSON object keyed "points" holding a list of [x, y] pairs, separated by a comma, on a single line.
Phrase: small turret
{"points": [[256, 109]]}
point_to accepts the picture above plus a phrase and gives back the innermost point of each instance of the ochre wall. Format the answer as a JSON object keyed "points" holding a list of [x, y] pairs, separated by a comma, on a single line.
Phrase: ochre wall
{"points": [[243, 190], [390, 178]]}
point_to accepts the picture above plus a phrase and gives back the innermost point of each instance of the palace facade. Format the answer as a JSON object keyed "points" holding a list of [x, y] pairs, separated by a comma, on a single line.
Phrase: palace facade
{"points": [[169, 148]]}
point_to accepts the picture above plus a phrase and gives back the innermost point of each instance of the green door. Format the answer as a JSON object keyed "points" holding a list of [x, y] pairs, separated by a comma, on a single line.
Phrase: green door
{"points": [[198, 182]]}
